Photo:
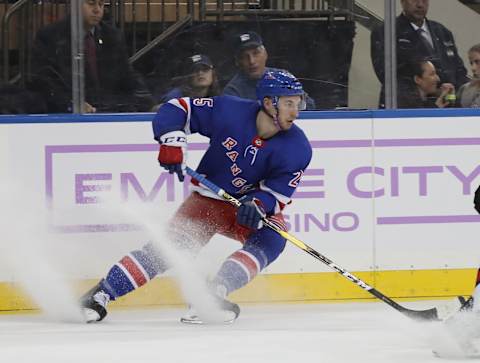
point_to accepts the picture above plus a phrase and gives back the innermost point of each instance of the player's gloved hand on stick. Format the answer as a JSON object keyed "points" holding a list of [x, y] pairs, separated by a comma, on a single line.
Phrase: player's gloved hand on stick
{"points": [[250, 213], [476, 201], [173, 153]]}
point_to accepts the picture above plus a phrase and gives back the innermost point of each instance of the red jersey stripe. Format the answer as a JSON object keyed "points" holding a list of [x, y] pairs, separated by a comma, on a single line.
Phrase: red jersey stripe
{"points": [[246, 261], [134, 271], [184, 104]]}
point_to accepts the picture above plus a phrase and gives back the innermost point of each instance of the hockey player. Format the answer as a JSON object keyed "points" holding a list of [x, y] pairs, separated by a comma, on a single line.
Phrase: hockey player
{"points": [[474, 300], [464, 326], [256, 153]]}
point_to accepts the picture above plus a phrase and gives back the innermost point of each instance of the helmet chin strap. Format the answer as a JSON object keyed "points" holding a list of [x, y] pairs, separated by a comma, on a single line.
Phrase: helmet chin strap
{"points": [[274, 117], [276, 123]]}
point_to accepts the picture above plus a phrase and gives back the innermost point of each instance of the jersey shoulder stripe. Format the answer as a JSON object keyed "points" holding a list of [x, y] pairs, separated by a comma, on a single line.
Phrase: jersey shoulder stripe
{"points": [[184, 105]]}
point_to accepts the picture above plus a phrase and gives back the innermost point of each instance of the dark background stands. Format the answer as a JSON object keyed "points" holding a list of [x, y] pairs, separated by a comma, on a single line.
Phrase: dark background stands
{"points": [[15, 100]]}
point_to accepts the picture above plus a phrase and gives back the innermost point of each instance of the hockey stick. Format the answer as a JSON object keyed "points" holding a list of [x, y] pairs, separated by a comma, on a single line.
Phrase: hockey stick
{"points": [[429, 314]]}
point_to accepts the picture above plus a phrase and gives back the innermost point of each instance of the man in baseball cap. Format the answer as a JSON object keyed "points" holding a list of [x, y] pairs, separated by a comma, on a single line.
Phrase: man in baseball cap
{"points": [[247, 40], [251, 59]]}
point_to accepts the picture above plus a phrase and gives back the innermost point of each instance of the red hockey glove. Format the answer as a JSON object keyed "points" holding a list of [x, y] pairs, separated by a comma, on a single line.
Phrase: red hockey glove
{"points": [[250, 214], [476, 201], [173, 153]]}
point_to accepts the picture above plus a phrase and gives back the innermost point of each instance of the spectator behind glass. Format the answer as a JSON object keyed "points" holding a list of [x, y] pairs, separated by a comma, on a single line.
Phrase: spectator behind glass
{"points": [[419, 37], [418, 87], [469, 94], [199, 80], [251, 59], [111, 85]]}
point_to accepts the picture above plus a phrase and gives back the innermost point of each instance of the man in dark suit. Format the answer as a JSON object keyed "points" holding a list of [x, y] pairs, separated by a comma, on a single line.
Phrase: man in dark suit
{"points": [[111, 84], [419, 37]]}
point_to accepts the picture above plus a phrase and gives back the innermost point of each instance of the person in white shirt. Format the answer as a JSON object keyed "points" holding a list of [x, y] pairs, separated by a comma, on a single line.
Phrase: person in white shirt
{"points": [[469, 94]]}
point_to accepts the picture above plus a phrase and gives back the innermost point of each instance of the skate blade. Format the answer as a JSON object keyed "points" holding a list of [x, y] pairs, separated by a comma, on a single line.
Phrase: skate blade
{"points": [[195, 320]]}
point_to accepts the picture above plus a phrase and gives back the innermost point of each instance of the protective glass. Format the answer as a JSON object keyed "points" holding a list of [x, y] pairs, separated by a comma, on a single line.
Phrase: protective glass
{"points": [[133, 56]]}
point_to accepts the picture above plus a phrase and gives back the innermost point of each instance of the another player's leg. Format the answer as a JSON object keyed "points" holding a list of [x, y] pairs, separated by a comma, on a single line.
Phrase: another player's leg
{"points": [[130, 273], [464, 326], [259, 250], [467, 304]]}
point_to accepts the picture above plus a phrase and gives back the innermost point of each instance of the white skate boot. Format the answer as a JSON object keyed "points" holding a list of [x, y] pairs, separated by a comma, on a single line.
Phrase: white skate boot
{"points": [[94, 304], [229, 311]]}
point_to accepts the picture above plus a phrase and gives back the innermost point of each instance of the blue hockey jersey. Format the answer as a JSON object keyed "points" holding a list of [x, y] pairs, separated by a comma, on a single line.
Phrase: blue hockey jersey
{"points": [[237, 160]]}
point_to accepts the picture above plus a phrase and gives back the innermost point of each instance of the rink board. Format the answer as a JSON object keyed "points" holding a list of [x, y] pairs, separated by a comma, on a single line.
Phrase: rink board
{"points": [[387, 195]]}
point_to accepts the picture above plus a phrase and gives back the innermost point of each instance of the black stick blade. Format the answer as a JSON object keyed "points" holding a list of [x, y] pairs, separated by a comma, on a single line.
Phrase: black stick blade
{"points": [[422, 315]]}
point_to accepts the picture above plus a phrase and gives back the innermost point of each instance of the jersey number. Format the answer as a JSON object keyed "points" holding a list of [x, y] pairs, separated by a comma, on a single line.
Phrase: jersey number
{"points": [[203, 102], [294, 182]]}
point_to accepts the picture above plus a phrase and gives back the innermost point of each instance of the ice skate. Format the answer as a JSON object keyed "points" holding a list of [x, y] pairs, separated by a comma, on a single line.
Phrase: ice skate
{"points": [[464, 329], [466, 304], [229, 311], [94, 304]]}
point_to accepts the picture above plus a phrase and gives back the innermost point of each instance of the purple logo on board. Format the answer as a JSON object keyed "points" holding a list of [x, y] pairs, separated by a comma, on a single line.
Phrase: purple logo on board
{"points": [[89, 185]]}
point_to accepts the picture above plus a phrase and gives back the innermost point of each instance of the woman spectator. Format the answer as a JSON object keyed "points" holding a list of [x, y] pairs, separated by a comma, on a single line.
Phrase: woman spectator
{"points": [[199, 80], [469, 93], [418, 87]]}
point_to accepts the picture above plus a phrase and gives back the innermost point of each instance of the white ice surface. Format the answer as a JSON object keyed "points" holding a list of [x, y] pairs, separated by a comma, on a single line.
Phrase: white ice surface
{"points": [[320, 333]]}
